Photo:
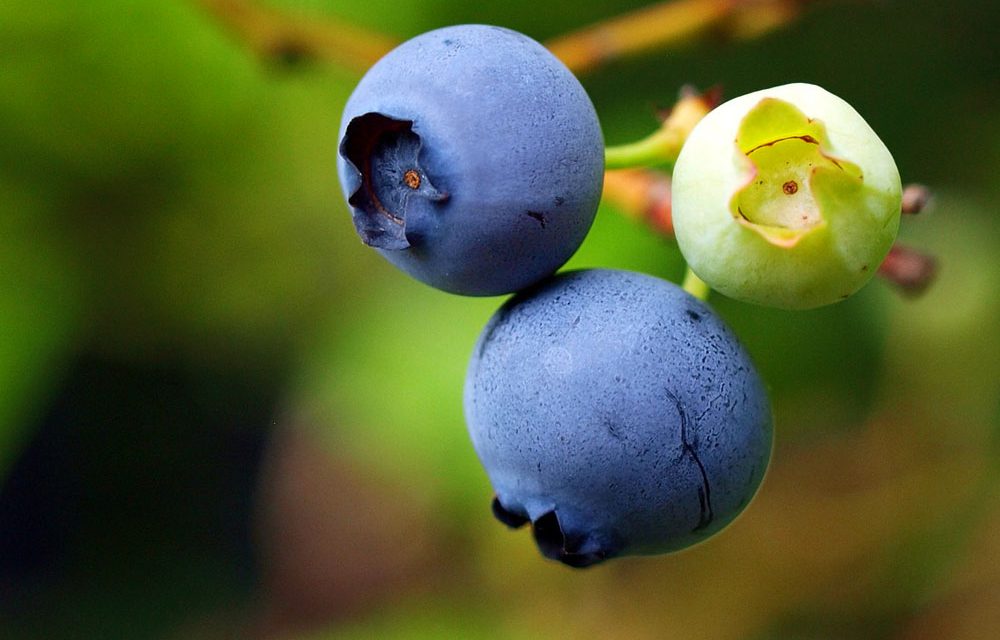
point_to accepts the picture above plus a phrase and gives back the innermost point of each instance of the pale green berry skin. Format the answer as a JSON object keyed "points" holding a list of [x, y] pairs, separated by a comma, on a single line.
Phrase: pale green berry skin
{"points": [[786, 198]]}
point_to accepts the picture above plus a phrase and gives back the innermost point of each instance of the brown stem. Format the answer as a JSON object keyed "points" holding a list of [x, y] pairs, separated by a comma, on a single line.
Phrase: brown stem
{"points": [[667, 23], [637, 31], [277, 35]]}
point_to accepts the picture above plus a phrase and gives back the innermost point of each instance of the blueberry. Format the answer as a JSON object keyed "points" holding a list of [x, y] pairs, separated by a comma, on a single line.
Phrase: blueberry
{"points": [[617, 414], [472, 159]]}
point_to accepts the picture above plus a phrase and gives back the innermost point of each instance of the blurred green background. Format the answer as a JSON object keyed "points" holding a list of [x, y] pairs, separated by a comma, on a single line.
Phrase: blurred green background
{"points": [[221, 416]]}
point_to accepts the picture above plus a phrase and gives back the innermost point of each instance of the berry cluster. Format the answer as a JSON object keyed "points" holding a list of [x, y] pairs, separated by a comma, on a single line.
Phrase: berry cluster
{"points": [[614, 411]]}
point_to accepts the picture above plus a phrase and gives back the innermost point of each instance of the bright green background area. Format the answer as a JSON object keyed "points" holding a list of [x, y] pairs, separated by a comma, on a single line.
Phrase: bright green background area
{"points": [[166, 197]]}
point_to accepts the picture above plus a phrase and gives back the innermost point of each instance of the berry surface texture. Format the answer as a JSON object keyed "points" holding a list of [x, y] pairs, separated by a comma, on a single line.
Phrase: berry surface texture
{"points": [[617, 414]]}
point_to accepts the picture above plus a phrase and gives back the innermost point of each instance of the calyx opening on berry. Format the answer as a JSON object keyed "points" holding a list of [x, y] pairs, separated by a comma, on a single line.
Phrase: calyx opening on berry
{"points": [[794, 181], [386, 153], [554, 542]]}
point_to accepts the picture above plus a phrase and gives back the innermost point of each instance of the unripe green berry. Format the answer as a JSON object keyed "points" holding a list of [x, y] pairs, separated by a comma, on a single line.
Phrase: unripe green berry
{"points": [[785, 197]]}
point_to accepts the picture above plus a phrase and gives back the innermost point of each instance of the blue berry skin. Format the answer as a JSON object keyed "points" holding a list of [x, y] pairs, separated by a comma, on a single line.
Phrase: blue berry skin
{"points": [[616, 413], [472, 159]]}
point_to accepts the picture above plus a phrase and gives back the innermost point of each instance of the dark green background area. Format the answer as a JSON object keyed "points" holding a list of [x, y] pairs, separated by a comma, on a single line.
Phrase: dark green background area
{"points": [[181, 287]]}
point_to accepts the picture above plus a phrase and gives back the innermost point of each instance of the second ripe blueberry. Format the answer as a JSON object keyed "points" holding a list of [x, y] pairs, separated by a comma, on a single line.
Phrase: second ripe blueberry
{"points": [[472, 159], [617, 414]]}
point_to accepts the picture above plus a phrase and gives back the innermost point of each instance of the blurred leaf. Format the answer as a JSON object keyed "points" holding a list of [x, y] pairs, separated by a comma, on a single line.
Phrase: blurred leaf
{"points": [[389, 374], [94, 88], [943, 356], [39, 311]]}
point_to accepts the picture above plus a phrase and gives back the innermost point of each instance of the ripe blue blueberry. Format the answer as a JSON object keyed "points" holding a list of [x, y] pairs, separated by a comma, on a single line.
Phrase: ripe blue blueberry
{"points": [[616, 413], [472, 159]]}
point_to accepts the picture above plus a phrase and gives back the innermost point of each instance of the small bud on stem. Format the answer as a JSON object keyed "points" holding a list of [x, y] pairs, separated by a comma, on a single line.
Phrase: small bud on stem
{"points": [[910, 270], [915, 198]]}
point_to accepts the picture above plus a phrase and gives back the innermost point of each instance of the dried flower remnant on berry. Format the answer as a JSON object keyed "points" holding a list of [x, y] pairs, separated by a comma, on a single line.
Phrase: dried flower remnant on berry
{"points": [[787, 154]]}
